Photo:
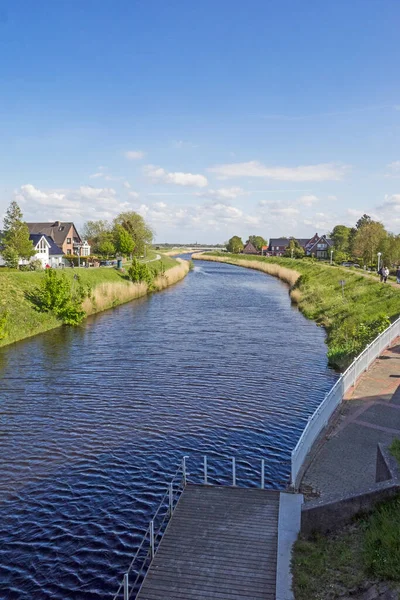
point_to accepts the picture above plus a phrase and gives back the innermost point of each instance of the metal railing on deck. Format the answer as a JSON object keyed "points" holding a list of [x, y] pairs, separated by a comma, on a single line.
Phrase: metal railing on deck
{"points": [[319, 419], [133, 578]]}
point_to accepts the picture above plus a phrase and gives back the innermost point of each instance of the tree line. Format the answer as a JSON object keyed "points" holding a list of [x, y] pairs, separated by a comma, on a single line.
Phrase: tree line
{"points": [[359, 243], [364, 241], [127, 235]]}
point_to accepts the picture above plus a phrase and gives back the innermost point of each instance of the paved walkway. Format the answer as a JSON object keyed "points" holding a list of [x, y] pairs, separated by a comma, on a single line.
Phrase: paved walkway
{"points": [[370, 413]]}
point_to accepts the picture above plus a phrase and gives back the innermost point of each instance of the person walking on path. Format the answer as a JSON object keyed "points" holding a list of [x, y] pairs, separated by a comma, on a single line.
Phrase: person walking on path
{"points": [[385, 274], [398, 274]]}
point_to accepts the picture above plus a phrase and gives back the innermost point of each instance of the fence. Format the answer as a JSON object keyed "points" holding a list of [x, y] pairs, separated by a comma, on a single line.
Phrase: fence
{"points": [[333, 398], [207, 473]]}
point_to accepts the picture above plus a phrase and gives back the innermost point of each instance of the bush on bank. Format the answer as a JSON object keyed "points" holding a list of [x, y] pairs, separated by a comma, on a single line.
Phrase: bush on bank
{"points": [[19, 317], [352, 317]]}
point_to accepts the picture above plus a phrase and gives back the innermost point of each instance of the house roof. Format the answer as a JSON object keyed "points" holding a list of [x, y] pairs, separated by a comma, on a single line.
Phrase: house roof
{"points": [[57, 230], [54, 250], [279, 242], [322, 239]]}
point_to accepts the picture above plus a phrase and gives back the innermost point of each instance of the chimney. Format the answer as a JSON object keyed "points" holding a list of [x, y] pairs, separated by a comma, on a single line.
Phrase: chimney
{"points": [[57, 224]]}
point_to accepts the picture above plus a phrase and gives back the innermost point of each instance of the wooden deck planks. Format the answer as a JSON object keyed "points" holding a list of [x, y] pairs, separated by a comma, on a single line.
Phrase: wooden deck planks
{"points": [[221, 544]]}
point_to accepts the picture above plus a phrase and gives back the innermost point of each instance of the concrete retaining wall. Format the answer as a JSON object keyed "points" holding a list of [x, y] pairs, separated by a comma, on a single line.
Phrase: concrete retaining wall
{"points": [[319, 516]]}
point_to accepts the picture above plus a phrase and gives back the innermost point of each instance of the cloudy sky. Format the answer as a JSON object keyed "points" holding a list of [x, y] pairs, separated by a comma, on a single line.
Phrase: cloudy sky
{"points": [[209, 118]]}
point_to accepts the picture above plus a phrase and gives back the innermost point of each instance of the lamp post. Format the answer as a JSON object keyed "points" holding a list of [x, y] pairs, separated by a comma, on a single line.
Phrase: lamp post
{"points": [[78, 247], [331, 256], [379, 260]]}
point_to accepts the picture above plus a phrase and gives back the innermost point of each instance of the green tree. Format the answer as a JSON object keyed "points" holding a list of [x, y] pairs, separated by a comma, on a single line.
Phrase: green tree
{"points": [[123, 241], [106, 247], [97, 233], [368, 239], [390, 248], [235, 244], [257, 241], [15, 239], [10, 257], [140, 232], [341, 237], [294, 249], [364, 220]]}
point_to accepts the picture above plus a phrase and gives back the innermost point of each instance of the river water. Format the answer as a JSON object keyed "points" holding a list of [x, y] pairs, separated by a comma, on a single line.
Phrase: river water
{"points": [[95, 419]]}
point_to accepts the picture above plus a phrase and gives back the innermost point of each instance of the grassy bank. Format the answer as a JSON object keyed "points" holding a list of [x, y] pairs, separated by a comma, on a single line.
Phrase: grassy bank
{"points": [[352, 318], [109, 288], [351, 561]]}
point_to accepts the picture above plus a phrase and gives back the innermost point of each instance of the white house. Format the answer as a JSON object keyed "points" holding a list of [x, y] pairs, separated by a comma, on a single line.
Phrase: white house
{"points": [[85, 249], [45, 250]]}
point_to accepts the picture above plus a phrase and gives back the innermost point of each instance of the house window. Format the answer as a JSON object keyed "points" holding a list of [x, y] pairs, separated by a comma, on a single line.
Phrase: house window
{"points": [[68, 240]]}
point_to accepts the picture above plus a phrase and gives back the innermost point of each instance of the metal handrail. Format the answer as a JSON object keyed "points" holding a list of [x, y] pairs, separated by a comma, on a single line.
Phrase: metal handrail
{"points": [[319, 419], [154, 536]]}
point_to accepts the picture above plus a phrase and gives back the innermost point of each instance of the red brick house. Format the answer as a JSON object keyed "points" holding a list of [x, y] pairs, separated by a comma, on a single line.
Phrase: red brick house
{"points": [[318, 246], [250, 249], [65, 235], [277, 246]]}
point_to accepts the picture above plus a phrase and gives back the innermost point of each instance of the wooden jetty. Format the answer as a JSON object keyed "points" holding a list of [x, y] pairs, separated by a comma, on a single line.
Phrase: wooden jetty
{"points": [[220, 544]]}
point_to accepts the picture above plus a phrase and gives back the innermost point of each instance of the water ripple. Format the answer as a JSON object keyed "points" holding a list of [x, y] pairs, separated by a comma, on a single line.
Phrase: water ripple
{"points": [[94, 420]]}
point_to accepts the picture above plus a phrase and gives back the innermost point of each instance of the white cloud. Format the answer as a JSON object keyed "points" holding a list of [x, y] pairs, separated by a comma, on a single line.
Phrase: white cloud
{"points": [[182, 144], [393, 169], [390, 203], [96, 175], [319, 172], [222, 193], [160, 175], [394, 166], [134, 154], [133, 194], [308, 200], [85, 202], [127, 185]]}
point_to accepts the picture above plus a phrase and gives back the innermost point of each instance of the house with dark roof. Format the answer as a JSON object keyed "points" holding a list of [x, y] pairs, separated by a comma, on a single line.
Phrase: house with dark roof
{"points": [[45, 250], [321, 247], [277, 246], [65, 236], [250, 249], [318, 246]]}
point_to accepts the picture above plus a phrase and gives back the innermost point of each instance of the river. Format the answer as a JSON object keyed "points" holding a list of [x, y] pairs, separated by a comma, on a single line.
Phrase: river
{"points": [[95, 419]]}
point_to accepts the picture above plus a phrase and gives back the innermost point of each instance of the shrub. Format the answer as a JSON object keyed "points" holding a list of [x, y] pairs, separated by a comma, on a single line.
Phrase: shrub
{"points": [[63, 297], [139, 272], [35, 265]]}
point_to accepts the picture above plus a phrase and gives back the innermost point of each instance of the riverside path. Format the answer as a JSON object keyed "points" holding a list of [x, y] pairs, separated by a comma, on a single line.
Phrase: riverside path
{"points": [[344, 460], [225, 543]]}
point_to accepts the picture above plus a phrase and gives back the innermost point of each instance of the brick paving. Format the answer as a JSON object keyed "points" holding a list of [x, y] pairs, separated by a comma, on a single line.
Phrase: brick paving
{"points": [[345, 461]]}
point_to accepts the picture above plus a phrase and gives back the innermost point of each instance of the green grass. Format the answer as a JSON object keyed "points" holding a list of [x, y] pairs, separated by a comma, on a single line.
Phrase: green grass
{"points": [[329, 566], [24, 320], [394, 449], [351, 321]]}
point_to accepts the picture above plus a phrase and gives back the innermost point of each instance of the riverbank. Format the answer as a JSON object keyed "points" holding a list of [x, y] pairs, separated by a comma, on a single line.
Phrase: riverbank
{"points": [[110, 288], [352, 314]]}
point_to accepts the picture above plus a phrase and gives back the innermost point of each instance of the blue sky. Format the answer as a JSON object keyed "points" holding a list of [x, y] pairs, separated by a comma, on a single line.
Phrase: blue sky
{"points": [[210, 118]]}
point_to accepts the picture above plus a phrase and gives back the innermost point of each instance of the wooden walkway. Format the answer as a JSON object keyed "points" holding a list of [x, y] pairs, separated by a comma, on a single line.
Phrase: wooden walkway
{"points": [[221, 544]]}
